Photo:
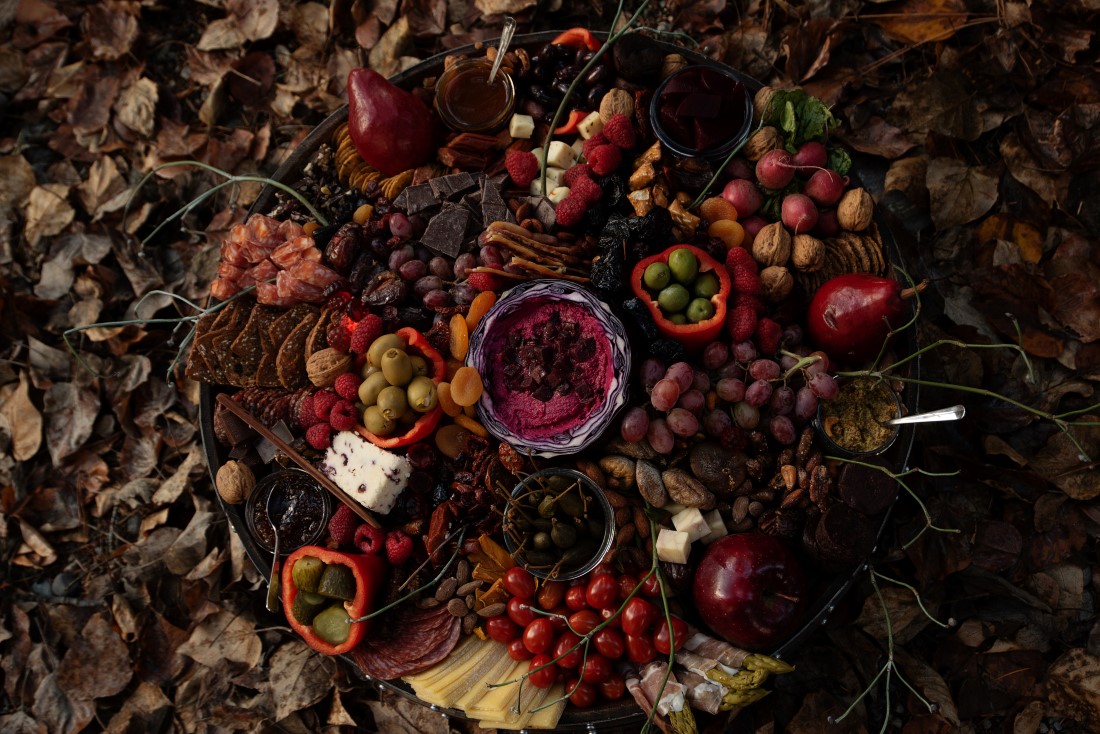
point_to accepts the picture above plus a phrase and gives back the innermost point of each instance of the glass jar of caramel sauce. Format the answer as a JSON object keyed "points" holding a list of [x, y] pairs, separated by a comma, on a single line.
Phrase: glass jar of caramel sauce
{"points": [[467, 102]]}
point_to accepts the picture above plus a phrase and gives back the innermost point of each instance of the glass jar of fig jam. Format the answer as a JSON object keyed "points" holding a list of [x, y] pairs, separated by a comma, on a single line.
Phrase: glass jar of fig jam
{"points": [[305, 517], [467, 102]]}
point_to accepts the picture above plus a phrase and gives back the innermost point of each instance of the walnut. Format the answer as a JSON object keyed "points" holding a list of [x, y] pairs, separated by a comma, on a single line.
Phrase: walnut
{"points": [[616, 102], [672, 63], [807, 253], [326, 365], [234, 482], [772, 245], [855, 210], [760, 102], [765, 139], [776, 283]]}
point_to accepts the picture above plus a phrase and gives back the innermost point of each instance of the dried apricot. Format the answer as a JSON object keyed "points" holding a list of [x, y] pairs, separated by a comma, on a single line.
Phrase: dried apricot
{"points": [[730, 232], [466, 386], [716, 208], [478, 308], [471, 425], [363, 214], [443, 395], [460, 337], [451, 440]]}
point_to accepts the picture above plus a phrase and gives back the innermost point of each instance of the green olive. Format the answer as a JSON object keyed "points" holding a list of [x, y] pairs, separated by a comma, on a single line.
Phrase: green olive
{"points": [[396, 367], [699, 309], [376, 422], [368, 370], [419, 365], [683, 264], [392, 402], [422, 396], [656, 276], [674, 298], [706, 285], [381, 345], [375, 383], [677, 318]]}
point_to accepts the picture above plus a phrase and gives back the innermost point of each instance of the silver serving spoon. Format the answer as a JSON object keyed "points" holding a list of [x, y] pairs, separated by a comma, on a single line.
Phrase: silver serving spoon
{"points": [[954, 413], [276, 512], [506, 34]]}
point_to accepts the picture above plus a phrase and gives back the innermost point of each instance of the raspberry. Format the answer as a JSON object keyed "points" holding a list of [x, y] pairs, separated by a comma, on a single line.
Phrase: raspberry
{"points": [[587, 189], [768, 334], [620, 132], [323, 400], [399, 548], [748, 299], [306, 417], [319, 436], [366, 331], [745, 281], [338, 334], [342, 416], [570, 210], [605, 159], [522, 167], [347, 386], [369, 539], [342, 525], [739, 257], [591, 144], [581, 170], [741, 323], [486, 281]]}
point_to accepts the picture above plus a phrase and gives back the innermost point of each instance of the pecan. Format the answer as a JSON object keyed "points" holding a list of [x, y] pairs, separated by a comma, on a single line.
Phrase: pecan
{"points": [[820, 484], [805, 443], [793, 497], [532, 225], [789, 475]]}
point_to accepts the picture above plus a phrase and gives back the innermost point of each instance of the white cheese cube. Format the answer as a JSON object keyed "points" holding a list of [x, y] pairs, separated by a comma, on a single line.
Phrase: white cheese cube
{"points": [[371, 476], [557, 194], [553, 177], [537, 152], [560, 155], [673, 546], [717, 527], [536, 186], [521, 127], [578, 149], [672, 508], [590, 125], [691, 521]]}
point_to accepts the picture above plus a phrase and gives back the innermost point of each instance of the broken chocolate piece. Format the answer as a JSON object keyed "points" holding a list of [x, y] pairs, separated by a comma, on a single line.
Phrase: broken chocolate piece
{"points": [[493, 208], [450, 187], [417, 198], [446, 231]]}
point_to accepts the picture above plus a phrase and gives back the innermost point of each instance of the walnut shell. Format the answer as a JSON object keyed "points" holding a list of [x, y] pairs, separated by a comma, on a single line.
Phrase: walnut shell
{"points": [[765, 139], [855, 210], [772, 245], [760, 102], [616, 102], [326, 365], [807, 253], [776, 283], [234, 482], [671, 64]]}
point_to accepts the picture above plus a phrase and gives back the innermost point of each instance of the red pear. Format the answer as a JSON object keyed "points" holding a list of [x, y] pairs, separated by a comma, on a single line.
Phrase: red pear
{"points": [[391, 128], [851, 316]]}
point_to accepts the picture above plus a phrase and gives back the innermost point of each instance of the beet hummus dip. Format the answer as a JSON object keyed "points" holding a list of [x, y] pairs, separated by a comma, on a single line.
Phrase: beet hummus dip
{"points": [[549, 367]]}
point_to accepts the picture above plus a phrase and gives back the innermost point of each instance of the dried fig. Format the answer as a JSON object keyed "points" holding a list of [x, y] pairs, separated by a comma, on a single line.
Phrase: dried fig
{"points": [[650, 484], [686, 490]]}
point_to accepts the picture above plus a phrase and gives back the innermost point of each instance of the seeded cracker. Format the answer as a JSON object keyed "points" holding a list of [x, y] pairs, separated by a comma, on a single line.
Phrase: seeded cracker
{"points": [[291, 360]]}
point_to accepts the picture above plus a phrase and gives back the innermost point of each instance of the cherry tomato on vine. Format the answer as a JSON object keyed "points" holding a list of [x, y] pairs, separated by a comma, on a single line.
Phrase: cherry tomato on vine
{"points": [[661, 636], [518, 651], [638, 616], [584, 621], [596, 668], [519, 582], [651, 586], [569, 658], [583, 694], [602, 592], [559, 621], [550, 594], [501, 628], [542, 678], [612, 616], [539, 635], [613, 688], [627, 584], [610, 643], [519, 612], [639, 649], [575, 598]]}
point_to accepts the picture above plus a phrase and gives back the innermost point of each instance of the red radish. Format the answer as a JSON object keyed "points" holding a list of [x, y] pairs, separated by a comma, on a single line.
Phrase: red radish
{"points": [[825, 187], [752, 226], [739, 168], [774, 170], [798, 213], [851, 315], [744, 196], [811, 156], [827, 224]]}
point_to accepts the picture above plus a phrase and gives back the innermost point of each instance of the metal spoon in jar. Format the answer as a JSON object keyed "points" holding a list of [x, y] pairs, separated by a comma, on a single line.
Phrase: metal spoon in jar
{"points": [[276, 512], [505, 40], [954, 413]]}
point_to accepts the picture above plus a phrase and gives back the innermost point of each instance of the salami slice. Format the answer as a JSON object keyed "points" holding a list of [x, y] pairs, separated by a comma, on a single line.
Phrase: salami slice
{"points": [[409, 643]]}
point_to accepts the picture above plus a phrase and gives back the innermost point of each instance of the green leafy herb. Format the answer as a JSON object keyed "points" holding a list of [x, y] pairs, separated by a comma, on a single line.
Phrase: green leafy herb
{"points": [[839, 160], [773, 199], [801, 117]]}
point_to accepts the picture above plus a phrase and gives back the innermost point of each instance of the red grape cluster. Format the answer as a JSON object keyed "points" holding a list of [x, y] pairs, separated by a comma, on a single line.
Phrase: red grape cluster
{"points": [[577, 632]]}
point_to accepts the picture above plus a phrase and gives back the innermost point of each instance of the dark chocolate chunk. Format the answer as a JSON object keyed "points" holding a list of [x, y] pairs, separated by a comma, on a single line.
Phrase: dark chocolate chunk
{"points": [[418, 198], [450, 187], [447, 231], [493, 208], [544, 212]]}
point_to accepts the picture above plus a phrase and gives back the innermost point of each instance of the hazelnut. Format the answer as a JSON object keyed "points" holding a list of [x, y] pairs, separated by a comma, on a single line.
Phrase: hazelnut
{"points": [[776, 283], [807, 253], [234, 482], [855, 210], [325, 366], [616, 102], [765, 139], [772, 245]]}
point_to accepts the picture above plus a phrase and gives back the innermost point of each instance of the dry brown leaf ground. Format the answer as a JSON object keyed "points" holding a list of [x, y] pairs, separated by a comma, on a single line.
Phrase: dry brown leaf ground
{"points": [[126, 604]]}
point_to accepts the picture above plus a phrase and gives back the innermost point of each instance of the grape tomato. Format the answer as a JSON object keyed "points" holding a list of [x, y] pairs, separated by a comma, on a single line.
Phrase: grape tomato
{"points": [[639, 616], [518, 651], [661, 637], [563, 649], [518, 582], [596, 668], [613, 688], [627, 584], [602, 591], [584, 621], [519, 611], [639, 649], [612, 617], [545, 677], [609, 642], [501, 628], [575, 598], [538, 636], [581, 694], [551, 594], [651, 585]]}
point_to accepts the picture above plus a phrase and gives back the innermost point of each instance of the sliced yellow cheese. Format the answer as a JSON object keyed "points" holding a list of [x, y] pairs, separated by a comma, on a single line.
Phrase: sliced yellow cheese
{"points": [[548, 717], [467, 681], [477, 687], [439, 691], [540, 695], [499, 702], [462, 652]]}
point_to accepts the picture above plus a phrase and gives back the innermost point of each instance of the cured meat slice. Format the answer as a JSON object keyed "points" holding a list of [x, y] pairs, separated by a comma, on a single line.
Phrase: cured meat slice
{"points": [[258, 273], [268, 294], [291, 251], [223, 288], [228, 271], [289, 229], [409, 642], [292, 290], [314, 273]]}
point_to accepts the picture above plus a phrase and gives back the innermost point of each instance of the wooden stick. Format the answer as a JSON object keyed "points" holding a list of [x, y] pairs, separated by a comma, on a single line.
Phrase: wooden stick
{"points": [[234, 407]]}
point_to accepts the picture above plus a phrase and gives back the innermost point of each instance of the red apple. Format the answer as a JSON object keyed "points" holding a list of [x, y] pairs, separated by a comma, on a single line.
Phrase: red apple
{"points": [[751, 590]]}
